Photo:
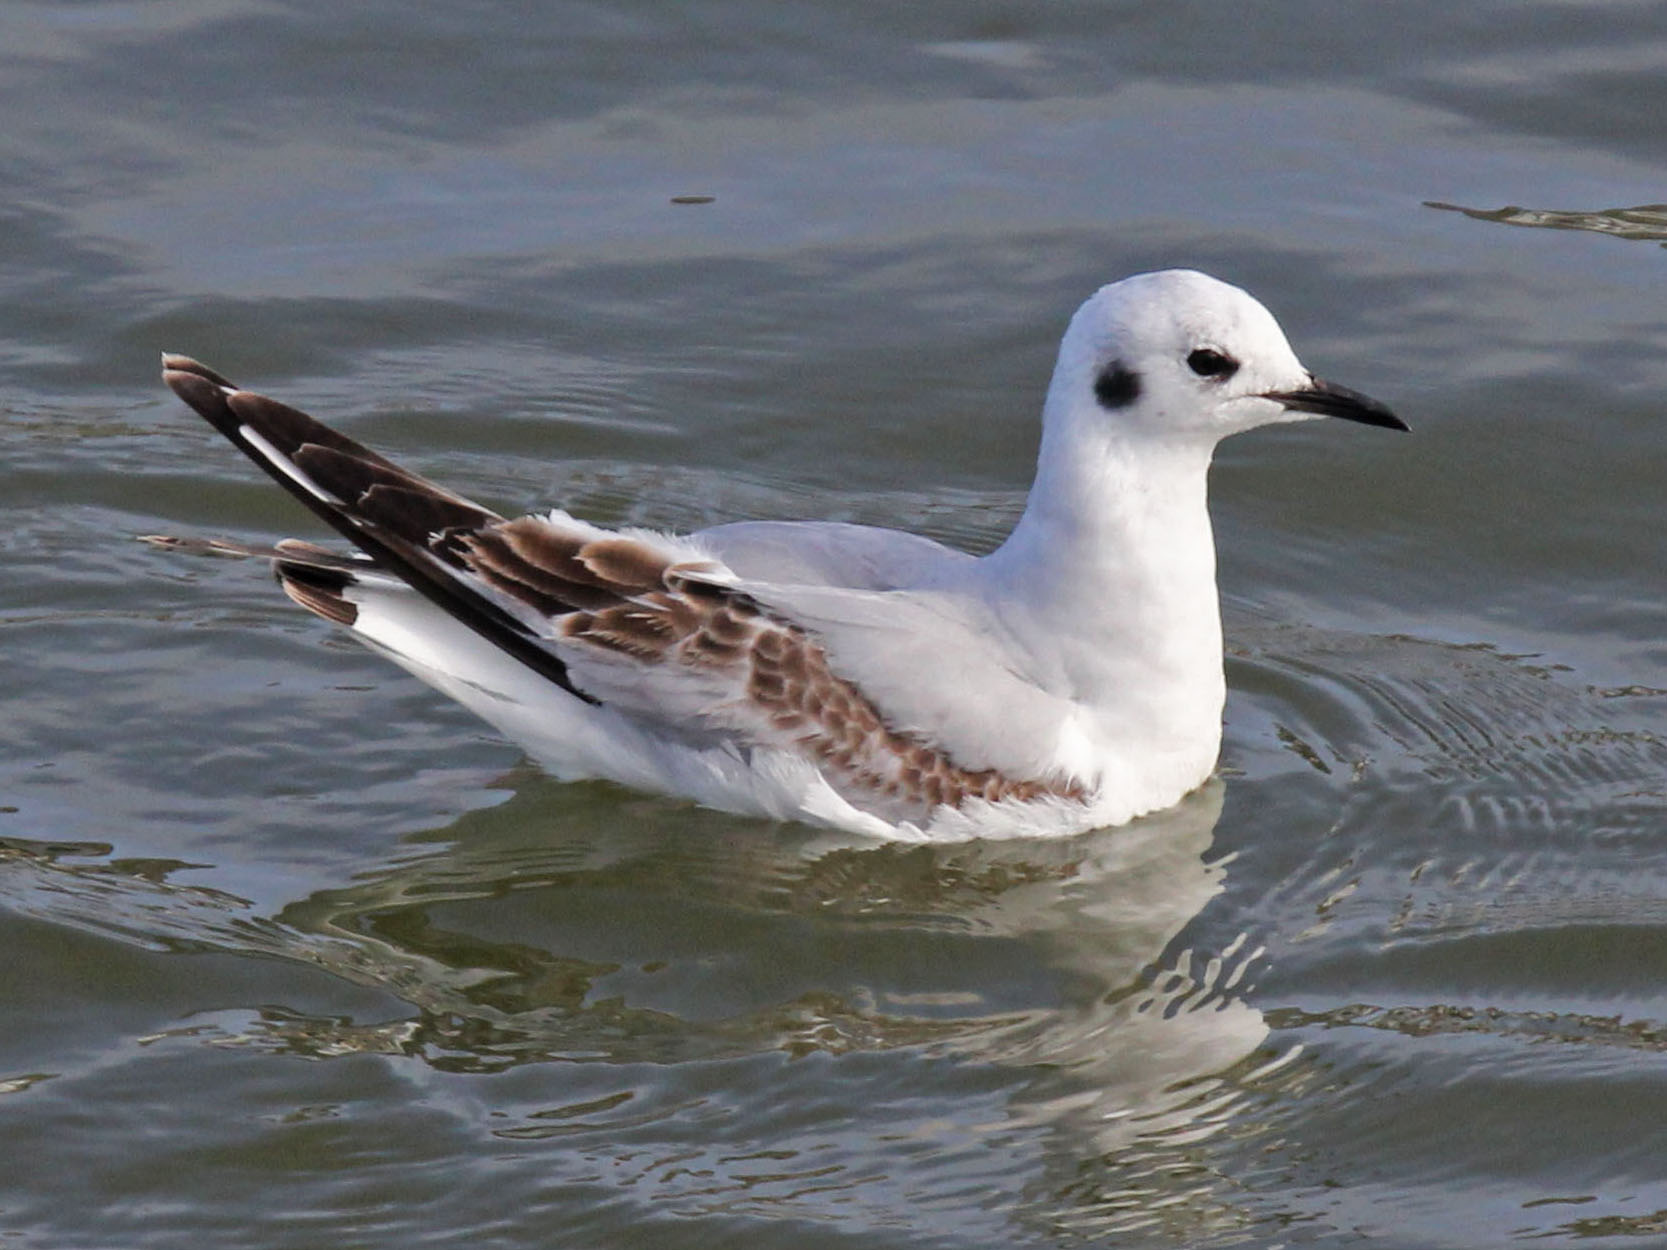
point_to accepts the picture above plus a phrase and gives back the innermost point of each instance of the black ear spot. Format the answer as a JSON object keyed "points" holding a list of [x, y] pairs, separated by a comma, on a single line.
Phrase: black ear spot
{"points": [[1117, 386], [1206, 362]]}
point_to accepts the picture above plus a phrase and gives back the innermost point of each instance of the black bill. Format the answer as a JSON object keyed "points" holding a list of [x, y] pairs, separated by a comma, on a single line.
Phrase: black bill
{"points": [[1330, 400]]}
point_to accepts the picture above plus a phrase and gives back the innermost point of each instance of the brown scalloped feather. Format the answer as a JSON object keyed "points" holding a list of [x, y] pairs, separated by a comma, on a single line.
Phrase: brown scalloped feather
{"points": [[619, 594], [789, 685]]}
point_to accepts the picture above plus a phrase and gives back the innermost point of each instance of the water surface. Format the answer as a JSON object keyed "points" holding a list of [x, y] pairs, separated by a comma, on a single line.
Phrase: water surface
{"points": [[297, 952]]}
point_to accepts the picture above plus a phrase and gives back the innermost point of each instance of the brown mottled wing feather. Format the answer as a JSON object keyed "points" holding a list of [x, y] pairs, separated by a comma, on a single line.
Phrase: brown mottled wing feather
{"points": [[656, 629], [652, 610]]}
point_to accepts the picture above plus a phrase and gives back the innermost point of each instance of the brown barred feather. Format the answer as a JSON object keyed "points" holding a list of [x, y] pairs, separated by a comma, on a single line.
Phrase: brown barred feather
{"points": [[617, 594]]}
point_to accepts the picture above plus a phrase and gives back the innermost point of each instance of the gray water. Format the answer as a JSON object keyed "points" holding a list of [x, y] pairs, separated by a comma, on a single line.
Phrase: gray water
{"points": [[295, 953]]}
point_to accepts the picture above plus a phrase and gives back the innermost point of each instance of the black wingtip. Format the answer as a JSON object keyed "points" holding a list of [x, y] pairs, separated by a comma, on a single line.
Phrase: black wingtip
{"points": [[172, 363], [203, 389], [387, 512]]}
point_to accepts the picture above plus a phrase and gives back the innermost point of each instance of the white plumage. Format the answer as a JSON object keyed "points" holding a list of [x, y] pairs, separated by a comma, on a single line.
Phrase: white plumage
{"points": [[858, 677]]}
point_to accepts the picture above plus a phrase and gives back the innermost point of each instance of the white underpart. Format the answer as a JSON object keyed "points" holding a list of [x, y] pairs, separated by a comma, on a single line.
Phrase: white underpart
{"points": [[1087, 648], [576, 740]]}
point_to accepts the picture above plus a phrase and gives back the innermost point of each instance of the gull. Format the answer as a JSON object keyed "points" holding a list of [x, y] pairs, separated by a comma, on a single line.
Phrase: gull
{"points": [[850, 676]]}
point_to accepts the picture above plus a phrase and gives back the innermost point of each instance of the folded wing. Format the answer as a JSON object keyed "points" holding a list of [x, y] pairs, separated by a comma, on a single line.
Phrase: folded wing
{"points": [[648, 625]]}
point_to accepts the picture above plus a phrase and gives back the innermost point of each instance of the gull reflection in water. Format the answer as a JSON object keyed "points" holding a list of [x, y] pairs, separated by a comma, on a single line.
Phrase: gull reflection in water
{"points": [[1062, 964], [1053, 979]]}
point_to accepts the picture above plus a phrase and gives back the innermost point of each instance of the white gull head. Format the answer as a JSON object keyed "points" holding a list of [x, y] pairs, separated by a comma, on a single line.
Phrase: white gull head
{"points": [[1178, 356], [1109, 578]]}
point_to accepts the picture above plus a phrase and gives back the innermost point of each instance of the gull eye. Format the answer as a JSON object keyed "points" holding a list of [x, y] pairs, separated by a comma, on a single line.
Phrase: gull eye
{"points": [[1206, 362]]}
